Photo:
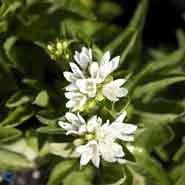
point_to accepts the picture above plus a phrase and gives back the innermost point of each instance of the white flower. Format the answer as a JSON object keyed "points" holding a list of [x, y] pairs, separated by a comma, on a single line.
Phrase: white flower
{"points": [[87, 74], [106, 67], [99, 139], [87, 86], [76, 100], [113, 90], [75, 124], [83, 58], [88, 152], [121, 130]]}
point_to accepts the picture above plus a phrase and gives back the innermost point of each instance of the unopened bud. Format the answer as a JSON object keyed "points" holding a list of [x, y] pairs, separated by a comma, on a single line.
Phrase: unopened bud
{"points": [[59, 46], [65, 44], [50, 48], [78, 142]]}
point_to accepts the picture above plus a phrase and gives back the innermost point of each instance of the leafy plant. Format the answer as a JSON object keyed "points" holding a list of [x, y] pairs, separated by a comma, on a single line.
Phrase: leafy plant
{"points": [[38, 39]]}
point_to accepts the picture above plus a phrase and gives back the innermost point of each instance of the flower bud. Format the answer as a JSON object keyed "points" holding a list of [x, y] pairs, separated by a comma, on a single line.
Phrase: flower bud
{"points": [[78, 142]]}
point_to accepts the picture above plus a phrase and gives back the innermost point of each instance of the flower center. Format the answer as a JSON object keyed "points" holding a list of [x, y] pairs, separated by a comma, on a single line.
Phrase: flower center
{"points": [[90, 86], [89, 136]]}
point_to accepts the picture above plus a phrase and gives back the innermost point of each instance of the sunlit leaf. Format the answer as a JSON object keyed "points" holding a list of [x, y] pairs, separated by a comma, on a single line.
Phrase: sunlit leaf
{"points": [[61, 171]]}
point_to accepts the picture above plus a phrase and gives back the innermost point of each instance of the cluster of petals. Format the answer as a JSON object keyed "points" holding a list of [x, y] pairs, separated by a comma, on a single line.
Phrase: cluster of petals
{"points": [[100, 140], [88, 76]]}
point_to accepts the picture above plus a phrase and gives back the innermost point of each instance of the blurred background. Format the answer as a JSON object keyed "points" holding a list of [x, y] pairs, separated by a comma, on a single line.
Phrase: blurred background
{"points": [[163, 19]]}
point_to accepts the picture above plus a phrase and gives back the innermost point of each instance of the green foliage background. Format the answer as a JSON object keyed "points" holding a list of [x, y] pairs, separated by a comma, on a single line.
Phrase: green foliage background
{"points": [[32, 100]]}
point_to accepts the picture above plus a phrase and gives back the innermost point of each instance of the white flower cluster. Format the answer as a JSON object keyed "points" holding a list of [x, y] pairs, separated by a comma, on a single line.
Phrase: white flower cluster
{"points": [[88, 77], [97, 139]]}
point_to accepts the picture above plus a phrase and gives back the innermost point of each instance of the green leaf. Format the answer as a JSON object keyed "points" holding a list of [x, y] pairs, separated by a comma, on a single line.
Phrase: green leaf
{"points": [[169, 61], [61, 171], [181, 38], [12, 160], [125, 42], [112, 173], [167, 106], [32, 140], [9, 7], [9, 134], [42, 99], [154, 135], [7, 80], [150, 168], [3, 26], [22, 53], [82, 177], [138, 179], [181, 180], [149, 90], [180, 154], [108, 10], [18, 116], [47, 121], [51, 130], [57, 135], [8, 44], [74, 7], [177, 171], [17, 99], [157, 54], [149, 118], [21, 147]]}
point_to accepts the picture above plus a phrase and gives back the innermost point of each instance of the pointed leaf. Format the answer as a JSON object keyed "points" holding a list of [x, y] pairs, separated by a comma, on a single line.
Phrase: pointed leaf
{"points": [[42, 99], [9, 134], [19, 116], [12, 160], [60, 171]]}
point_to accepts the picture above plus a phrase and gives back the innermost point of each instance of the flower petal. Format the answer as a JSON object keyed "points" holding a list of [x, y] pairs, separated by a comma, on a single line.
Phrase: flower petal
{"points": [[71, 117], [87, 52], [128, 138], [121, 92], [106, 152], [86, 155], [124, 128], [76, 70], [105, 70], [71, 104], [65, 125], [129, 128], [80, 149], [105, 58], [70, 95], [77, 100], [118, 151], [119, 82], [112, 90], [115, 63], [94, 70], [121, 117], [93, 123], [87, 86], [83, 58], [96, 157], [71, 87], [81, 119], [69, 76]]}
